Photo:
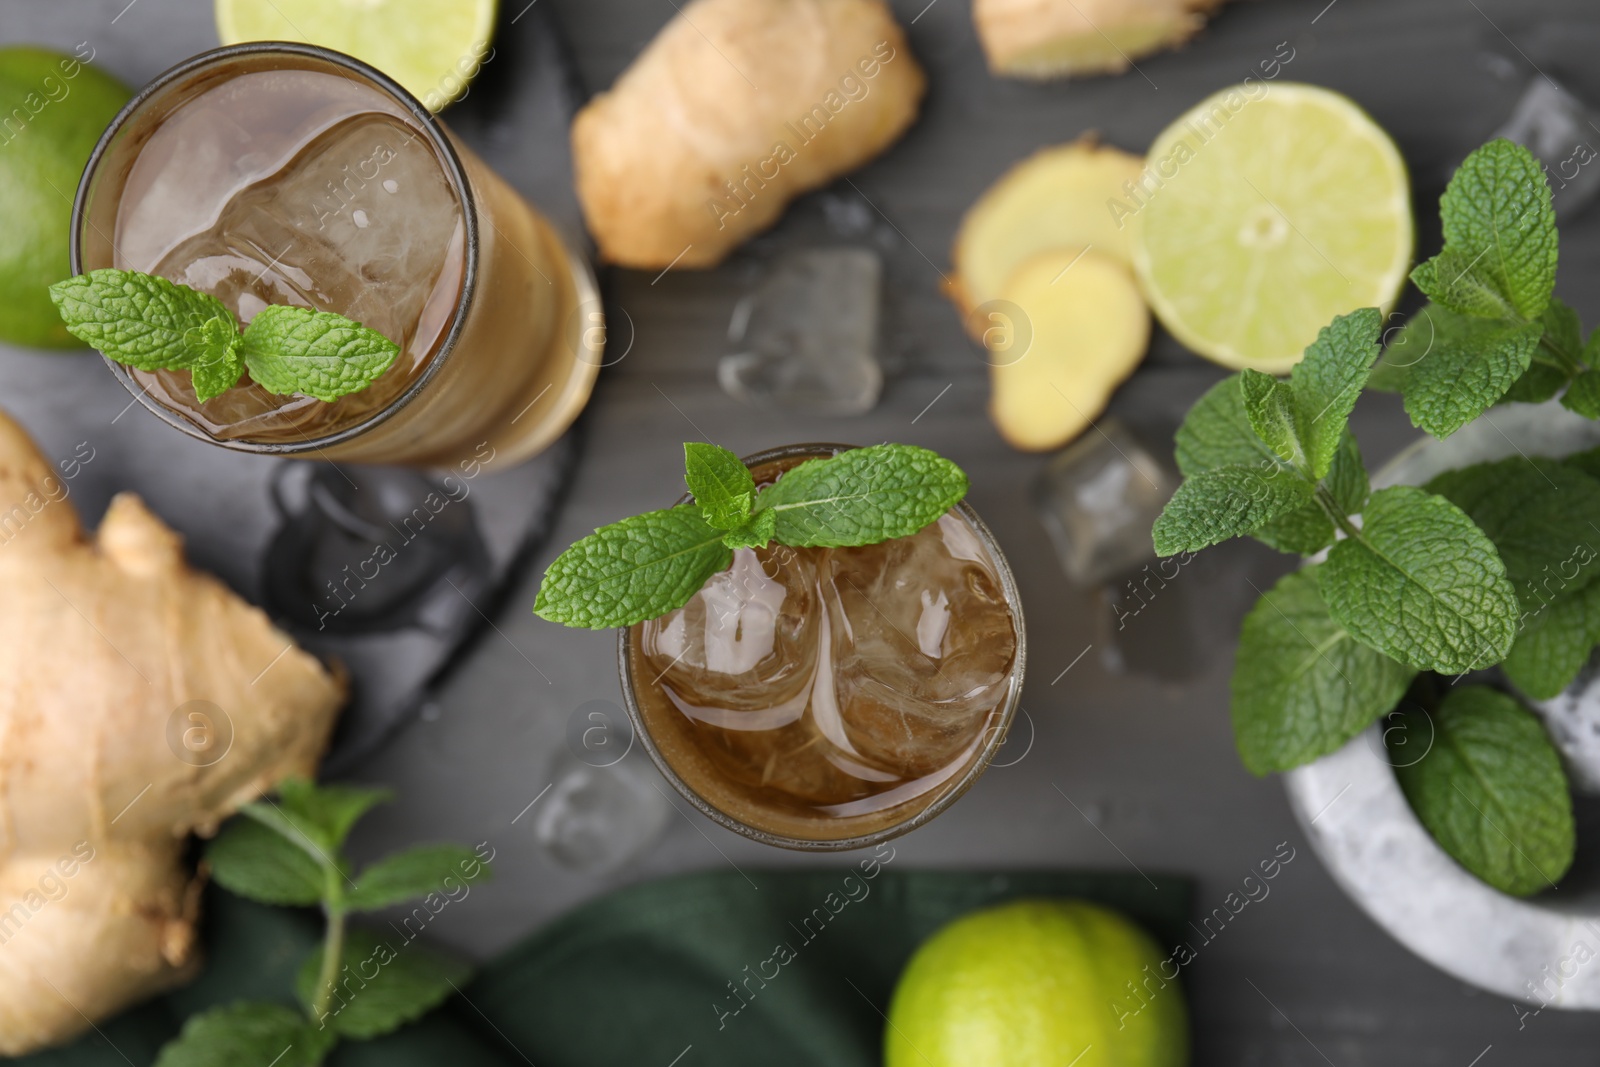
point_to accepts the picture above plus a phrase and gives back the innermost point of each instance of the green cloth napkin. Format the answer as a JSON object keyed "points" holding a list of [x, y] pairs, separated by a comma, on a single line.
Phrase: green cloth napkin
{"points": [[718, 968]]}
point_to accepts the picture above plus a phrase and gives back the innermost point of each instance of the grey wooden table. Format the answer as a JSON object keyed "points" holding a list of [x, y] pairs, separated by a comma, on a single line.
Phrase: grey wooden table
{"points": [[1146, 757]]}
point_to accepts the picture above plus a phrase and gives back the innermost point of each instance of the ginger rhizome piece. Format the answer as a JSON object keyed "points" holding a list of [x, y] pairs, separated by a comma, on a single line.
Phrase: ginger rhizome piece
{"points": [[1041, 39], [1089, 328], [1056, 198], [140, 701], [734, 109]]}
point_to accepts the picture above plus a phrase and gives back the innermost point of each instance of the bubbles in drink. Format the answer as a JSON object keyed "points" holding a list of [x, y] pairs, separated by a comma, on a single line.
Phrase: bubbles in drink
{"points": [[829, 683]]}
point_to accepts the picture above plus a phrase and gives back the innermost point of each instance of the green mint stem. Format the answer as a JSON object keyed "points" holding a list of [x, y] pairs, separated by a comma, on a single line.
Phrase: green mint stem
{"points": [[1331, 508], [333, 945], [1564, 360]]}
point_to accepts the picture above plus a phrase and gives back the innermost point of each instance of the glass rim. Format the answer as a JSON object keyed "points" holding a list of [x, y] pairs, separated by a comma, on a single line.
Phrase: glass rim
{"points": [[455, 173], [997, 731]]}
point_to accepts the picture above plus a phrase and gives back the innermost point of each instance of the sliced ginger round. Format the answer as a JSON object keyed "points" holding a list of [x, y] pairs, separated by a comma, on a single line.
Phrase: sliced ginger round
{"points": [[1089, 329], [1056, 198]]}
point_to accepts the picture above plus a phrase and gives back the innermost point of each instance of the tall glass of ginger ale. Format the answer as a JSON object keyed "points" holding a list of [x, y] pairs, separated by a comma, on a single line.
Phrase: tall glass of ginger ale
{"points": [[277, 173]]}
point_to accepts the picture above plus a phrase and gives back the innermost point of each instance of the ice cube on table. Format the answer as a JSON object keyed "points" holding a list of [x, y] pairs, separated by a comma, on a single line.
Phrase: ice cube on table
{"points": [[806, 340], [597, 818], [1098, 499], [1561, 131]]}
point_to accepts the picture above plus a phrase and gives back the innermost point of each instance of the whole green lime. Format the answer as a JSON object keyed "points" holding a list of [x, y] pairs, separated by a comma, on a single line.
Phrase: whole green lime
{"points": [[53, 108], [1035, 983]]}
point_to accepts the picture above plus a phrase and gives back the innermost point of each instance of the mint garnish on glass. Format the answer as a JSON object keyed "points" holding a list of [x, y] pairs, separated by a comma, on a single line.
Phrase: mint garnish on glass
{"points": [[1490, 565], [643, 567], [149, 323]]}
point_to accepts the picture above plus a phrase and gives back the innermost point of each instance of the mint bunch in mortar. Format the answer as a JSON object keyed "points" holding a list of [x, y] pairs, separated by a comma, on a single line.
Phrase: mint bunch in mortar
{"points": [[1489, 566]]}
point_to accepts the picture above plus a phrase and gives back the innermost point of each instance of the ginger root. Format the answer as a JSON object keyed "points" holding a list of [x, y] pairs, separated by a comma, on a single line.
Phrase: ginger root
{"points": [[1089, 329], [1056, 198], [140, 701], [1042, 39], [734, 109]]}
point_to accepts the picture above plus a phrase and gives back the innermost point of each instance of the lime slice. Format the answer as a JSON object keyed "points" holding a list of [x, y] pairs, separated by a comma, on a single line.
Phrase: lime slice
{"points": [[432, 47], [1266, 212], [54, 108]]}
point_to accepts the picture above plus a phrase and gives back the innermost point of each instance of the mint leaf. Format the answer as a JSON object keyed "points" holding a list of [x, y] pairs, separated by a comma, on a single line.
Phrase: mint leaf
{"points": [[1308, 530], [328, 812], [722, 486], [756, 533], [1328, 381], [1563, 334], [1583, 395], [1347, 477], [414, 873], [863, 496], [1302, 686], [1498, 221], [1450, 279], [1558, 356], [1538, 383], [218, 360], [633, 570], [1269, 405], [246, 1033], [260, 864], [1539, 513], [1491, 790], [1463, 366], [384, 983], [1217, 433], [1227, 502], [1555, 643], [315, 819], [140, 320], [1422, 584], [1588, 462], [314, 353]]}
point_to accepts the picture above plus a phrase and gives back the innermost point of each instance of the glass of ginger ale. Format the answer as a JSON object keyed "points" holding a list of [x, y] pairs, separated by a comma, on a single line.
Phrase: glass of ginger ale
{"points": [[831, 698], [277, 173]]}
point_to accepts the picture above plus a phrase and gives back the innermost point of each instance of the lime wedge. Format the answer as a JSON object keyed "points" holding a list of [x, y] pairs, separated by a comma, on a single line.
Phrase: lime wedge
{"points": [[1264, 212], [432, 47]]}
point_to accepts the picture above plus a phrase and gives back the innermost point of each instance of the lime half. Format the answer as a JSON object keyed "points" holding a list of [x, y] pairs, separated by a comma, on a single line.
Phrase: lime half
{"points": [[1264, 212], [432, 47]]}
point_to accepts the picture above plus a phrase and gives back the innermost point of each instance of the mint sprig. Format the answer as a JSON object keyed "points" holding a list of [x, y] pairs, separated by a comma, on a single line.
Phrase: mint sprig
{"points": [[643, 567], [150, 323], [290, 851], [1493, 320], [1491, 565]]}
